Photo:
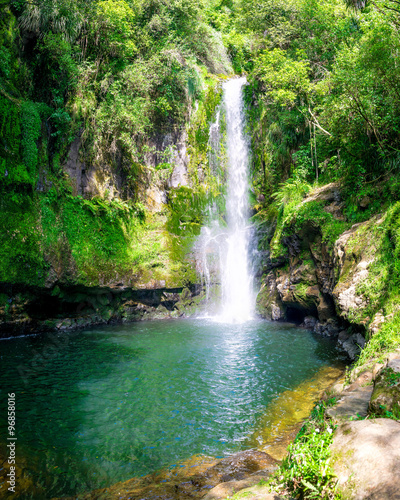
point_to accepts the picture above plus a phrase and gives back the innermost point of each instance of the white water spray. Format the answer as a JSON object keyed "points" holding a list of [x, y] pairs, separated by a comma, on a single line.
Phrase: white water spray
{"points": [[224, 250], [236, 279]]}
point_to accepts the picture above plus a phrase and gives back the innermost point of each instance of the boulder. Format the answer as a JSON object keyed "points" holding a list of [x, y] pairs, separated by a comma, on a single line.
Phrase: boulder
{"points": [[366, 459], [269, 304], [351, 344], [386, 394], [354, 400], [229, 488]]}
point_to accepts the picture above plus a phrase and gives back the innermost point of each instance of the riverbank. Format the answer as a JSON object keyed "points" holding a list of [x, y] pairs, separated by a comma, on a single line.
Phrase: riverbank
{"points": [[341, 281]]}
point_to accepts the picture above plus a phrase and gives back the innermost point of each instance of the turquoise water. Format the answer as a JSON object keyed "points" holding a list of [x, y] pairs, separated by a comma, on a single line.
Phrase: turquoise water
{"points": [[99, 406]]}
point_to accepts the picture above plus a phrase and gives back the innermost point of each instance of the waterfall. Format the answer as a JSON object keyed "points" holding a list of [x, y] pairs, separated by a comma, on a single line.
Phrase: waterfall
{"points": [[223, 251], [236, 279]]}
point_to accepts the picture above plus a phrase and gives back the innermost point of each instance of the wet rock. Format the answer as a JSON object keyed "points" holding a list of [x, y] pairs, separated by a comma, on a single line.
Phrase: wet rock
{"points": [[269, 304], [309, 322], [327, 329], [351, 344], [366, 459], [63, 308], [324, 308], [239, 465], [237, 468], [293, 243]]}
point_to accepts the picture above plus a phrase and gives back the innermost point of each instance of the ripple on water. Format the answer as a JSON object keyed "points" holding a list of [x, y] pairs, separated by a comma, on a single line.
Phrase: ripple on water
{"points": [[127, 400]]}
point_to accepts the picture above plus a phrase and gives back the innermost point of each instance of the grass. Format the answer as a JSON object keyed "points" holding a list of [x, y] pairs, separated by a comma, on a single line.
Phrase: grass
{"points": [[306, 471], [296, 215], [383, 342]]}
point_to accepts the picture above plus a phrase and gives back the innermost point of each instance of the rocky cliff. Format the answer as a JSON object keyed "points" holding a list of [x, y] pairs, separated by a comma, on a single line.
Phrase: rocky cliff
{"points": [[332, 276]]}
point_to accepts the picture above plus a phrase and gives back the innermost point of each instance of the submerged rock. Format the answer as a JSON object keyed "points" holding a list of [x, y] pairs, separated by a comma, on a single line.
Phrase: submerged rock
{"points": [[234, 469]]}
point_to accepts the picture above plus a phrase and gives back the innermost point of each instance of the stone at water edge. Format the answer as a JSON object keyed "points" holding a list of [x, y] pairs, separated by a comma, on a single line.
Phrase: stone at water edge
{"points": [[366, 459], [229, 488], [354, 400], [236, 468]]}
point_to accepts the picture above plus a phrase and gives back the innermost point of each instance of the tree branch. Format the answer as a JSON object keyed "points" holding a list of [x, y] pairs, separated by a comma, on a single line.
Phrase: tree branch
{"points": [[315, 122]]}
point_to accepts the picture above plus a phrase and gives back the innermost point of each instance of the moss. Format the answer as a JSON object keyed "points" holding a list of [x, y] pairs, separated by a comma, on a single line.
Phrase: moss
{"points": [[296, 217], [89, 242], [301, 294], [375, 242]]}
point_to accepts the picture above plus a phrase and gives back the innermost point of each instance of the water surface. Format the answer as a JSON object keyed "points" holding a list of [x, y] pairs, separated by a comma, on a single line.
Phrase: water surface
{"points": [[99, 406]]}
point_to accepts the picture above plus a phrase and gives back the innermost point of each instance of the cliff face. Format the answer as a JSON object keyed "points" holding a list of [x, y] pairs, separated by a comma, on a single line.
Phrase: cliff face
{"points": [[101, 246], [96, 259], [111, 180], [338, 286]]}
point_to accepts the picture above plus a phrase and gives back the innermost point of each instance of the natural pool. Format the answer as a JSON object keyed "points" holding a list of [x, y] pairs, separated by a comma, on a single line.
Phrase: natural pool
{"points": [[99, 406]]}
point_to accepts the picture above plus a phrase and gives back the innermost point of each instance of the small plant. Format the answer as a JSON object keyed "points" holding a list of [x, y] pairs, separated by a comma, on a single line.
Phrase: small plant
{"points": [[385, 413], [391, 377], [306, 471]]}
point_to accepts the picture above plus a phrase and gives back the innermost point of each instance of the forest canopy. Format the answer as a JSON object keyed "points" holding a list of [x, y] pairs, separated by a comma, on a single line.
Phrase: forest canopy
{"points": [[323, 95]]}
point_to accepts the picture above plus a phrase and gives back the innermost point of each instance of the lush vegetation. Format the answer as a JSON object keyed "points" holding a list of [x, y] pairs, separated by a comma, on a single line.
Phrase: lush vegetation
{"points": [[306, 471], [323, 100], [118, 77], [324, 104], [114, 76]]}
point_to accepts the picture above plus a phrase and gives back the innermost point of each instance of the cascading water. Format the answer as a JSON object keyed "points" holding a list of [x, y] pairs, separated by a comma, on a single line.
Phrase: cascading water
{"points": [[236, 279], [221, 250]]}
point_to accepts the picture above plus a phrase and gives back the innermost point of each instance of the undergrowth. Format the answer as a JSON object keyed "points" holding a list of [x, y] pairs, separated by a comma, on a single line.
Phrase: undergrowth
{"points": [[56, 235], [306, 471]]}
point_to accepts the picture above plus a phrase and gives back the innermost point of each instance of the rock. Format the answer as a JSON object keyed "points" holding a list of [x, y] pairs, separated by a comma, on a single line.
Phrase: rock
{"points": [[336, 209], [393, 356], [343, 336], [386, 394], [327, 329], [352, 345], [336, 389], [309, 322], [232, 473], [352, 404], [376, 368], [360, 376], [250, 488], [241, 464], [364, 202], [156, 199], [269, 305], [229, 488], [376, 323], [366, 459], [324, 309]]}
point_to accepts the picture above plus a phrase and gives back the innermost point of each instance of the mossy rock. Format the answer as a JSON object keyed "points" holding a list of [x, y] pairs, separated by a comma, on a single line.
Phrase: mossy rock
{"points": [[386, 395], [269, 305]]}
